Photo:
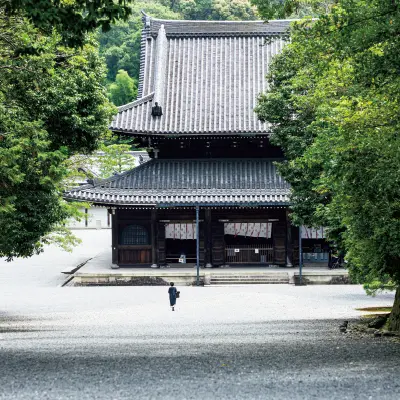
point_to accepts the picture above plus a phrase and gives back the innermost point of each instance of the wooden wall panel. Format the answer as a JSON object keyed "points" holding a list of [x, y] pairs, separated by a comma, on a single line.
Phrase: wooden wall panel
{"points": [[134, 256]]}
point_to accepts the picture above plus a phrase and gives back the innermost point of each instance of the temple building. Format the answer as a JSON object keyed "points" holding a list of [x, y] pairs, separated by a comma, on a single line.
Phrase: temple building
{"points": [[210, 192]]}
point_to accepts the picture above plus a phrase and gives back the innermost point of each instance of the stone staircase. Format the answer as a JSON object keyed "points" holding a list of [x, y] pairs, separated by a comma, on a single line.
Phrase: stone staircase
{"points": [[250, 279]]}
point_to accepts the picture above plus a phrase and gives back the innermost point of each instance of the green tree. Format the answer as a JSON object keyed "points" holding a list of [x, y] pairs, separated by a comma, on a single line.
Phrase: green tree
{"points": [[278, 9], [123, 90], [71, 18], [217, 9], [115, 159], [334, 108], [52, 105]]}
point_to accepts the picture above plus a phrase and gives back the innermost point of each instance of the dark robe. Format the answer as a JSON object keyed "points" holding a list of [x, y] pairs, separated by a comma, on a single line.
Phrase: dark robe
{"points": [[172, 295]]}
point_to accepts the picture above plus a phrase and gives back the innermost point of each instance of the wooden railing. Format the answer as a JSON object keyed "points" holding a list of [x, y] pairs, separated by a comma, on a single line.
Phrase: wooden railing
{"points": [[249, 254]]}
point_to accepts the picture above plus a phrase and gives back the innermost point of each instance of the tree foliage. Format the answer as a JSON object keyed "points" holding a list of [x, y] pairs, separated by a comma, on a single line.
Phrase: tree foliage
{"points": [[216, 9], [123, 90], [334, 108], [115, 159], [52, 105], [71, 18], [279, 9]]}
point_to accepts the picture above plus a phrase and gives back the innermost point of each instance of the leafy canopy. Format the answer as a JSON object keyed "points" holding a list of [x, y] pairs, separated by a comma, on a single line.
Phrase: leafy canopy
{"points": [[334, 108], [115, 159], [71, 18], [216, 9], [279, 9], [123, 90], [52, 105]]}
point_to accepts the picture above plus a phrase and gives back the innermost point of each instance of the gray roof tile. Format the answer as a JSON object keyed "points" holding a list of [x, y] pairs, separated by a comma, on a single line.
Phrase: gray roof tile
{"points": [[198, 181]]}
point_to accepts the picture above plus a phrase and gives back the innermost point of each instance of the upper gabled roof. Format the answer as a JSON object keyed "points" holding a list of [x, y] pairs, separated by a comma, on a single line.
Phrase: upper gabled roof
{"points": [[206, 76]]}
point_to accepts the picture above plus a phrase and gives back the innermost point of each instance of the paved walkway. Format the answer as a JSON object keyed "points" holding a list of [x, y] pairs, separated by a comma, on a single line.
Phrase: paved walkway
{"points": [[46, 269]]}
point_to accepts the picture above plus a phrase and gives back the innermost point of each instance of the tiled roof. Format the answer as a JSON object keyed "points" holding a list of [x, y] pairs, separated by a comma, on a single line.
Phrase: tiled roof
{"points": [[191, 181], [205, 75]]}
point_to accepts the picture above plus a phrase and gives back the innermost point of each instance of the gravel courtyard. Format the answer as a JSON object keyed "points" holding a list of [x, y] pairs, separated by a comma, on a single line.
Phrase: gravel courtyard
{"points": [[251, 342]]}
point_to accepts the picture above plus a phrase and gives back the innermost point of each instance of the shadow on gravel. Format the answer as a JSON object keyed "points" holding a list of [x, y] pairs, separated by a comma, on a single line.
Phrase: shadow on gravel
{"points": [[19, 323], [275, 359]]}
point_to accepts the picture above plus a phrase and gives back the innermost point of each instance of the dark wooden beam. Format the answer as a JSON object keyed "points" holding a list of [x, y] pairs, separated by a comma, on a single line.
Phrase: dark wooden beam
{"points": [[207, 238], [114, 236], [289, 241], [154, 237]]}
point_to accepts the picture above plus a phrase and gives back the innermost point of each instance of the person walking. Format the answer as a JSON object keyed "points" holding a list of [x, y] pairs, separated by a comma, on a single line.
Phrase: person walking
{"points": [[172, 295]]}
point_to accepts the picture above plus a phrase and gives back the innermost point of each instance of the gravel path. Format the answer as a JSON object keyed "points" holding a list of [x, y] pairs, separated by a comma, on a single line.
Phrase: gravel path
{"points": [[251, 342]]}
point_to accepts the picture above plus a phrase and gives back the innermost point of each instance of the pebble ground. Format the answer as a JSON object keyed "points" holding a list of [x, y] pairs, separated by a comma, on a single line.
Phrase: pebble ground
{"points": [[244, 342]]}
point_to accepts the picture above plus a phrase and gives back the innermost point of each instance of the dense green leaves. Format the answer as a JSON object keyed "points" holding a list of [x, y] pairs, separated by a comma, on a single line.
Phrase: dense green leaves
{"points": [[52, 105], [123, 90], [334, 108], [280, 9], [71, 18], [216, 9], [115, 159]]}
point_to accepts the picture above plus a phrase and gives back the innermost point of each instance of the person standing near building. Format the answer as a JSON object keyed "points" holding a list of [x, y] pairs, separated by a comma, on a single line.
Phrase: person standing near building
{"points": [[172, 295]]}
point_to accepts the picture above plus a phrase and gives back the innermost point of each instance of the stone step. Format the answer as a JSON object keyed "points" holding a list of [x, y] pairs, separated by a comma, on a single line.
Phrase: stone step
{"points": [[248, 277], [249, 282]]}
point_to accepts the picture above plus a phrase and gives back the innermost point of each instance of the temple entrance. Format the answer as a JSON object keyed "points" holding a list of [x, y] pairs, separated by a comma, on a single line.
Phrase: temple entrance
{"points": [[180, 244], [181, 251], [248, 243]]}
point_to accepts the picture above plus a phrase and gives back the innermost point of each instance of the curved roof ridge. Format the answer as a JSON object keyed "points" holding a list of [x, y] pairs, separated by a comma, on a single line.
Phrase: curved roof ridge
{"points": [[222, 21], [207, 28], [136, 102]]}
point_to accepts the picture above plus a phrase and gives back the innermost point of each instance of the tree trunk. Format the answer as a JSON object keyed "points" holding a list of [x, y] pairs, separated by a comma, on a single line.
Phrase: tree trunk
{"points": [[394, 320]]}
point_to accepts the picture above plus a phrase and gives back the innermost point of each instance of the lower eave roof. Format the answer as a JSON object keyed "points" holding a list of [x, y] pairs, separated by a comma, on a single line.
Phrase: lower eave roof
{"points": [[230, 182]]}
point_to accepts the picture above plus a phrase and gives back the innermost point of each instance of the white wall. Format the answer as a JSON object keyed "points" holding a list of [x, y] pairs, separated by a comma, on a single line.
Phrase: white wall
{"points": [[96, 219]]}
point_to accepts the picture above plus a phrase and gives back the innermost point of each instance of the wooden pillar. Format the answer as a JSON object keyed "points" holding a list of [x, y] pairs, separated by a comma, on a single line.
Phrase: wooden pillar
{"points": [[154, 260], [289, 241], [207, 238], [114, 238], [161, 250]]}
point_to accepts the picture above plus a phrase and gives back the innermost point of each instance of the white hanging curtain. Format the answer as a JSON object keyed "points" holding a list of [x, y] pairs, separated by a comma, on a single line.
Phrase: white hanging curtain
{"points": [[249, 229], [313, 233], [180, 231]]}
